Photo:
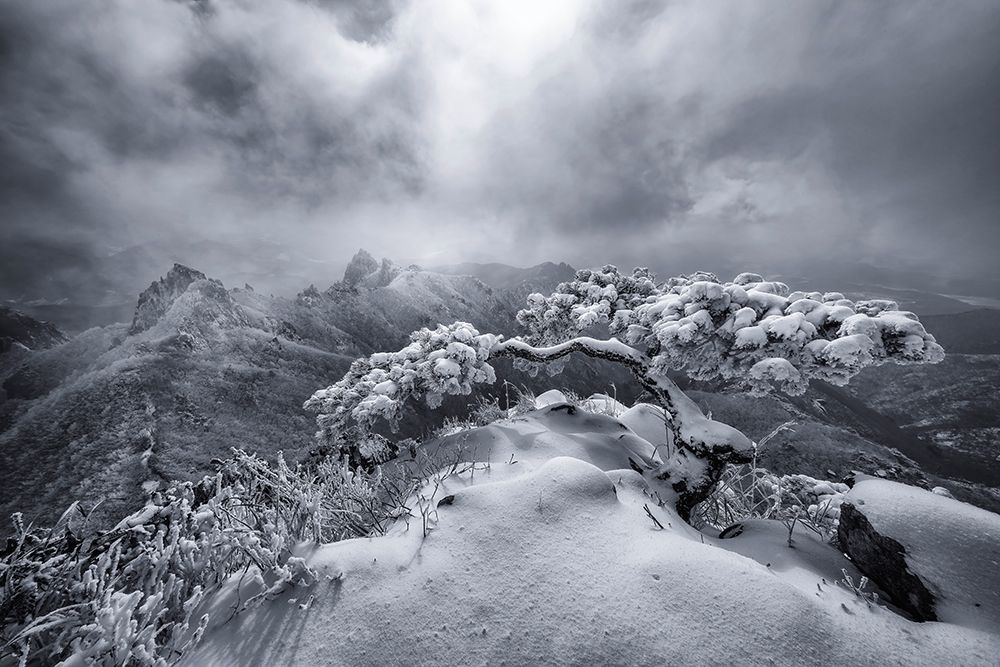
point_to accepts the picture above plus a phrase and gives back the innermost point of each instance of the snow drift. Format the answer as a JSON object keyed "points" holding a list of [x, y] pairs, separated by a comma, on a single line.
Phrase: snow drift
{"points": [[553, 551]]}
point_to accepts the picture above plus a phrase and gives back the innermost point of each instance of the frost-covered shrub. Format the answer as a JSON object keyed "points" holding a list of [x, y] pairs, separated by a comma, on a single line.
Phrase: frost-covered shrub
{"points": [[749, 492], [486, 410], [129, 595], [811, 502], [524, 401]]}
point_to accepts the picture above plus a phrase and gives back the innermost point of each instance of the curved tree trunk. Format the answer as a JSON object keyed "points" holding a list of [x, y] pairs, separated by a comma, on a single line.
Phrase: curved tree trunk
{"points": [[713, 444]]}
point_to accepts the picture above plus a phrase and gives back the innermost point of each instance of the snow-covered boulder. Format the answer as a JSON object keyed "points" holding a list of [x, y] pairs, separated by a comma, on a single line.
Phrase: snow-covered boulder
{"points": [[937, 557]]}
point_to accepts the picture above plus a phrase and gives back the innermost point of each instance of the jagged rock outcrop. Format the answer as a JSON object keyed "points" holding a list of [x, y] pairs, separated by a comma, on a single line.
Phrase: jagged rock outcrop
{"points": [[195, 302], [883, 559], [364, 271], [386, 274], [360, 267], [159, 296], [16, 327]]}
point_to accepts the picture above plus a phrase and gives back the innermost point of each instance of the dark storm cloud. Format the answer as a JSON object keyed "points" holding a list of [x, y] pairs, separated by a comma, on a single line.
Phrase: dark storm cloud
{"points": [[666, 133]]}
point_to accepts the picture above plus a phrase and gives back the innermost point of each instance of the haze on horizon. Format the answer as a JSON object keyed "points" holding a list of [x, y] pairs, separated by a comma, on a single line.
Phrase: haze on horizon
{"points": [[434, 131]]}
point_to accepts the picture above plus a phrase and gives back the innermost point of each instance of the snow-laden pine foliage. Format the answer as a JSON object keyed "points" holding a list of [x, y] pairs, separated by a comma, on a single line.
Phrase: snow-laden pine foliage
{"points": [[751, 333], [445, 360]]}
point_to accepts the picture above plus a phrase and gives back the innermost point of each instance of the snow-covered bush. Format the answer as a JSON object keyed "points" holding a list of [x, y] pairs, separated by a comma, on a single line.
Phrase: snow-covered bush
{"points": [[130, 595], [748, 491], [751, 333]]}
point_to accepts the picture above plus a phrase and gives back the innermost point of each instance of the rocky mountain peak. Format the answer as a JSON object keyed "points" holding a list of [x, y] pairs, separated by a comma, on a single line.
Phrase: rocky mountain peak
{"points": [[360, 267], [365, 271], [160, 295]]}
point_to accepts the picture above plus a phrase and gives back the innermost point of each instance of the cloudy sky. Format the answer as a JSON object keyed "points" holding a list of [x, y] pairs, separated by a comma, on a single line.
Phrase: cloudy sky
{"points": [[432, 131]]}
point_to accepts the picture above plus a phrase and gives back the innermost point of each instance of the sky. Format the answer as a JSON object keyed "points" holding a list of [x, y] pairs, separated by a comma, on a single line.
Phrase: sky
{"points": [[672, 133]]}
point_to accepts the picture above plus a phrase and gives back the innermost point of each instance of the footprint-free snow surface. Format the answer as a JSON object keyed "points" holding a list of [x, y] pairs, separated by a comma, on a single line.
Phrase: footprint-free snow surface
{"points": [[549, 557]]}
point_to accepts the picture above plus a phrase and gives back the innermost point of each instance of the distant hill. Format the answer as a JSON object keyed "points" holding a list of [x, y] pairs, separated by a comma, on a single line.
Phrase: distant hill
{"points": [[21, 329], [502, 276], [972, 332], [99, 291]]}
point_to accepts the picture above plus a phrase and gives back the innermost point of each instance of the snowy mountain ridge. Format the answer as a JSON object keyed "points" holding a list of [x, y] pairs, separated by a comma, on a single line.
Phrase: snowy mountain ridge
{"points": [[210, 368], [199, 370]]}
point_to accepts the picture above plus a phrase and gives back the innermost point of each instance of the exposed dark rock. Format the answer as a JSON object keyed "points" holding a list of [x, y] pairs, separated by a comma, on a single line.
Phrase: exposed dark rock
{"points": [[159, 296], [16, 327], [386, 273], [310, 296], [360, 267], [883, 560]]}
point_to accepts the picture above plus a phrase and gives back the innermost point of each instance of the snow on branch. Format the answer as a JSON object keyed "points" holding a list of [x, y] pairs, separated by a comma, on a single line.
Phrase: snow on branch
{"points": [[445, 360], [751, 333], [591, 298], [612, 349]]}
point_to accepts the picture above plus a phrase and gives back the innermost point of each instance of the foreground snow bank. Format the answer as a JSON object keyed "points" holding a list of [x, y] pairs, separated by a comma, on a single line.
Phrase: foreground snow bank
{"points": [[550, 557]]}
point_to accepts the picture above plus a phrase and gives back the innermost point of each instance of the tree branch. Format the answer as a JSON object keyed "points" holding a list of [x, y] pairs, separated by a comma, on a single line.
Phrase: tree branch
{"points": [[611, 349]]}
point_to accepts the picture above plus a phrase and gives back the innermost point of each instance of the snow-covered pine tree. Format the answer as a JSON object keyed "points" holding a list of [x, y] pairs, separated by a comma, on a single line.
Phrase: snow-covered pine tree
{"points": [[750, 333]]}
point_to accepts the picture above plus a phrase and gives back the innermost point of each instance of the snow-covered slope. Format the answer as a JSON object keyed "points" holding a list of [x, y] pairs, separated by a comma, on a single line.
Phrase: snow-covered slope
{"points": [[203, 369], [553, 551]]}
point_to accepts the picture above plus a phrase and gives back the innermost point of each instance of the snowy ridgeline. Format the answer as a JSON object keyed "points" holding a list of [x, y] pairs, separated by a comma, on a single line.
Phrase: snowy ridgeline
{"points": [[546, 547]]}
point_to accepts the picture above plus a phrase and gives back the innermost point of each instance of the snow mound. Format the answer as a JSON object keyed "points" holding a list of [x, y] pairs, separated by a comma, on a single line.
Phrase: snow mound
{"points": [[649, 422], [550, 397], [952, 546], [550, 557], [604, 405]]}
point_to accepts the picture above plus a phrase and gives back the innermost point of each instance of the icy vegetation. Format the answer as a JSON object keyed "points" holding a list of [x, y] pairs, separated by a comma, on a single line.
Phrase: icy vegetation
{"points": [[547, 529], [749, 332]]}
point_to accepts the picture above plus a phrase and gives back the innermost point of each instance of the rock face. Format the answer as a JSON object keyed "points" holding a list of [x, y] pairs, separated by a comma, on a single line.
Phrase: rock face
{"points": [[883, 559], [158, 297], [16, 327], [364, 271], [934, 556], [360, 267]]}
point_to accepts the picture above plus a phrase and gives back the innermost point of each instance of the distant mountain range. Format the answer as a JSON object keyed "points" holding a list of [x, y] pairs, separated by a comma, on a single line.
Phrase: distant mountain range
{"points": [[18, 329], [198, 368], [76, 293]]}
